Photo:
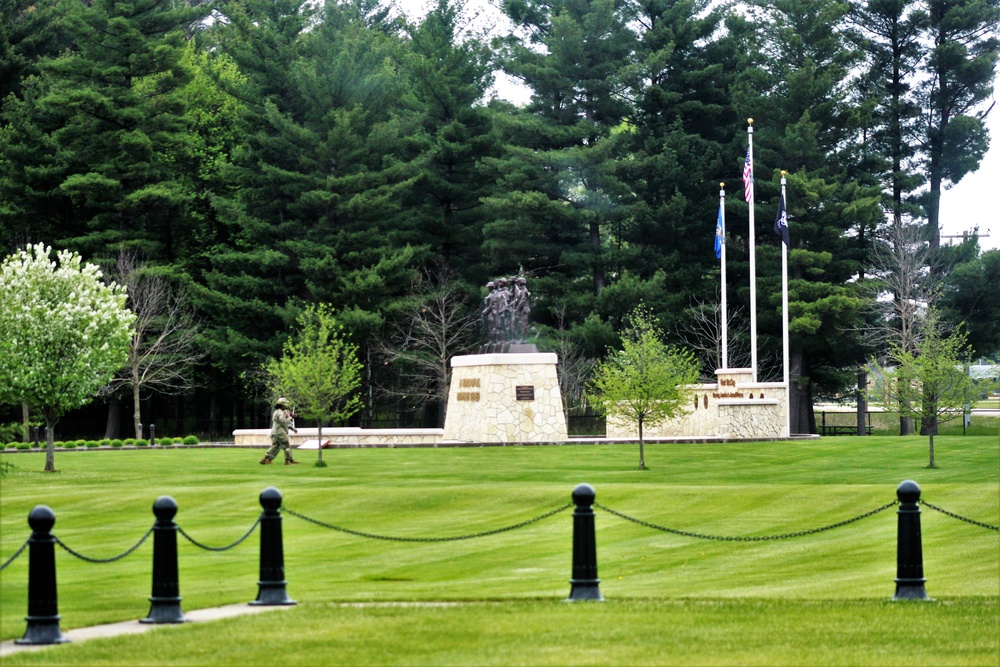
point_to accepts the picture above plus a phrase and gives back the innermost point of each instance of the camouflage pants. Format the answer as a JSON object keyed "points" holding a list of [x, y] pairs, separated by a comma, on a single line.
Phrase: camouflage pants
{"points": [[279, 441]]}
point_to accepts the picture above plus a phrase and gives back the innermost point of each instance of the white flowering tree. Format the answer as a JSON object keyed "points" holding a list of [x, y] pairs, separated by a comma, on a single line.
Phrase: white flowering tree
{"points": [[63, 333]]}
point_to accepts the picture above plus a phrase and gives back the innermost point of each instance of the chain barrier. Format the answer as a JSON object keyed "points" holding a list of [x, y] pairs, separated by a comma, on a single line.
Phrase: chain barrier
{"points": [[764, 538], [104, 560], [960, 518], [427, 539], [225, 548], [14, 557]]}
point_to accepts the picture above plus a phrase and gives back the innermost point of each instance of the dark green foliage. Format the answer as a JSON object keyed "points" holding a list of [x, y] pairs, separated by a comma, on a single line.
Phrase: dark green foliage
{"points": [[295, 153]]}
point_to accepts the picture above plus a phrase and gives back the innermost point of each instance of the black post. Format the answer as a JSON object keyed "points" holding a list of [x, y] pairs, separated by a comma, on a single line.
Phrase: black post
{"points": [[909, 557], [165, 603], [584, 584], [271, 587], [152, 435], [36, 437], [43, 604]]}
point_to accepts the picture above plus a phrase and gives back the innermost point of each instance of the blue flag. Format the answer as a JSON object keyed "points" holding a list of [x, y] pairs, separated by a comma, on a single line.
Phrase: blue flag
{"points": [[720, 234], [781, 221]]}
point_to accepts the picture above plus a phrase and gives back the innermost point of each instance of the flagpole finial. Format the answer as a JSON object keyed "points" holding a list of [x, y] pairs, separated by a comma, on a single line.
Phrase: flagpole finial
{"points": [[722, 185], [749, 121], [783, 173]]}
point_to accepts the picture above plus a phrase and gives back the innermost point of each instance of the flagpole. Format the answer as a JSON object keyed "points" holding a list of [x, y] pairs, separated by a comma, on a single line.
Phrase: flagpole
{"points": [[784, 318], [722, 258], [753, 258]]}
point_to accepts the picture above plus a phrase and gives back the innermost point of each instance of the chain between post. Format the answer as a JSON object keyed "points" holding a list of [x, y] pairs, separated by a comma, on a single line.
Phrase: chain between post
{"points": [[763, 538], [225, 548], [960, 518], [455, 538], [14, 557], [104, 560]]}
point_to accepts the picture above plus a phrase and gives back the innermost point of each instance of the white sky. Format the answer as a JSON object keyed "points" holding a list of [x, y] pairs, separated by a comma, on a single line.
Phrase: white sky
{"points": [[963, 207]]}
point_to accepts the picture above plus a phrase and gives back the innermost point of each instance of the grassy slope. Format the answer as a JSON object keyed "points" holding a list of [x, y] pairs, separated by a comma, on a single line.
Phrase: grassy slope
{"points": [[103, 504]]}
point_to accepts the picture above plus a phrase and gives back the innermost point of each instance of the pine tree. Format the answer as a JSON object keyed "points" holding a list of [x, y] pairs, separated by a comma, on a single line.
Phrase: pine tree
{"points": [[109, 115], [958, 78], [560, 195], [804, 124]]}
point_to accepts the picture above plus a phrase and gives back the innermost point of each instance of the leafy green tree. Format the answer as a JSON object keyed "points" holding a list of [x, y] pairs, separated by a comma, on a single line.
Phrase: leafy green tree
{"points": [[930, 383], [319, 370], [63, 333], [647, 381], [970, 295]]}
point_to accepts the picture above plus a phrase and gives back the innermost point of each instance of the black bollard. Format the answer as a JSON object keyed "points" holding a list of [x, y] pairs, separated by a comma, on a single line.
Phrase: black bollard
{"points": [[909, 557], [271, 587], [584, 584], [36, 437], [43, 603], [152, 435], [165, 603]]}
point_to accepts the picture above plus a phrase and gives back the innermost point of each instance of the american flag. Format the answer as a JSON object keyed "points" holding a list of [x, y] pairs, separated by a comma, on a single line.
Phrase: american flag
{"points": [[748, 178]]}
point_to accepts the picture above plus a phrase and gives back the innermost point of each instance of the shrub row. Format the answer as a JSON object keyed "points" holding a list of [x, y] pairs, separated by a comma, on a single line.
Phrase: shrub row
{"points": [[93, 444]]}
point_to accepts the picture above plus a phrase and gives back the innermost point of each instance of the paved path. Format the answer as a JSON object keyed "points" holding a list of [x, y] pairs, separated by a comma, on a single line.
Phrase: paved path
{"points": [[135, 627]]}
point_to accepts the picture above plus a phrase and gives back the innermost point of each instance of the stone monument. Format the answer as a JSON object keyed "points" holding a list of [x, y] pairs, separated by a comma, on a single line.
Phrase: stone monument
{"points": [[509, 392]]}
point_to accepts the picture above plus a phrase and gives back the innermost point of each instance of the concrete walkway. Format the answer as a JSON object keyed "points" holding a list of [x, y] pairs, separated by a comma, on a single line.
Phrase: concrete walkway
{"points": [[135, 627]]}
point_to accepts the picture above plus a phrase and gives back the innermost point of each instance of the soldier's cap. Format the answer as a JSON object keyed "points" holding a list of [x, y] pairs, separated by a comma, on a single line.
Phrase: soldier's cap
{"points": [[282, 401]]}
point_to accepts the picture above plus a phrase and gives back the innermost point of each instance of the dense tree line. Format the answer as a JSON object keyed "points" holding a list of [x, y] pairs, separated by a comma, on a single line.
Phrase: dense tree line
{"points": [[266, 155]]}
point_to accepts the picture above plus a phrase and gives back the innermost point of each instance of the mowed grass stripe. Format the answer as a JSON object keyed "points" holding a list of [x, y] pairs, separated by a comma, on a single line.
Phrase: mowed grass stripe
{"points": [[103, 505]]}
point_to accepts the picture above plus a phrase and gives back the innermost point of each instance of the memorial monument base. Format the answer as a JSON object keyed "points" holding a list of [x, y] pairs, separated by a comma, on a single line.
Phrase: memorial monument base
{"points": [[505, 397]]}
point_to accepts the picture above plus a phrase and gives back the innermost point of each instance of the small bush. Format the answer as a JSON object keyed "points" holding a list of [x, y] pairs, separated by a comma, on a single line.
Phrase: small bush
{"points": [[92, 444], [21, 445], [166, 442], [191, 440], [81, 443], [129, 442], [57, 444], [13, 445], [10, 432], [104, 442], [142, 442], [115, 442], [69, 445]]}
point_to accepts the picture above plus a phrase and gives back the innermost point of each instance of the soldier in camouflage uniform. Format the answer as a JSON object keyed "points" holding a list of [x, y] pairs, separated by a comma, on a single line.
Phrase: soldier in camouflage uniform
{"points": [[281, 421]]}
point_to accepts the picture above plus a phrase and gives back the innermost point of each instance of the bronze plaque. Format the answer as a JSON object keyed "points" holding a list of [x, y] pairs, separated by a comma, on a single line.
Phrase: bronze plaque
{"points": [[525, 392]]}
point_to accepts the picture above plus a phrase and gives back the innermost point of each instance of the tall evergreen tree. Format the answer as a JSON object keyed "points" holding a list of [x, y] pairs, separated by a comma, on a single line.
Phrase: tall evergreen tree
{"points": [[958, 78], [680, 131], [108, 115], [450, 72], [560, 195], [805, 125], [320, 175]]}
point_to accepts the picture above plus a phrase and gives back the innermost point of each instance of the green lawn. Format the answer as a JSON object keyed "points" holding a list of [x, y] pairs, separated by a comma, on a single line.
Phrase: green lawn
{"points": [[816, 599]]}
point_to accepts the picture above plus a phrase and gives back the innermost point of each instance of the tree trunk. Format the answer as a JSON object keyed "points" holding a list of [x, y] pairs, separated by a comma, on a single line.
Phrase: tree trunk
{"points": [[862, 402], [801, 417], [113, 427], [642, 453], [50, 445], [930, 439], [319, 448], [136, 410], [26, 426]]}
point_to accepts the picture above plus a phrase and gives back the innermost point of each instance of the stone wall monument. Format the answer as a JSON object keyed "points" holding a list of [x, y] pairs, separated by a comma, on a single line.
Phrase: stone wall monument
{"points": [[509, 392]]}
